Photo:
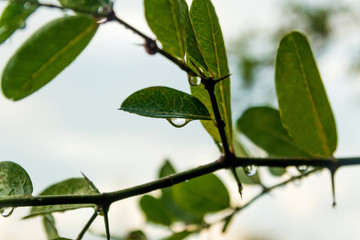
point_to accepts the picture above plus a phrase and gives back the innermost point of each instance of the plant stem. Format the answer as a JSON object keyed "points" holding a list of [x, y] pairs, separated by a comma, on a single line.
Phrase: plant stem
{"points": [[111, 197], [88, 224]]}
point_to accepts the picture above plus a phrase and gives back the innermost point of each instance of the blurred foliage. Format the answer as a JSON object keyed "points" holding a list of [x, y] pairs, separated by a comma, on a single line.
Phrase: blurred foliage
{"points": [[321, 21]]}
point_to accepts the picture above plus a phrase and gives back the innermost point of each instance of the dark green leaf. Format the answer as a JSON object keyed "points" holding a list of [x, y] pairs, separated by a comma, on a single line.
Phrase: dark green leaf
{"points": [[49, 225], [14, 17], [205, 46], [202, 195], [164, 102], [73, 186], [304, 107], [166, 169], [154, 210], [250, 180], [177, 213], [91, 6], [179, 235], [14, 181], [136, 235], [166, 19], [45, 54], [262, 125]]}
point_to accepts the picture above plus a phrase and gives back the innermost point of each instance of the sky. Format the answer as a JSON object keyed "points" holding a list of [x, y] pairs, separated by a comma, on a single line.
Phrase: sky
{"points": [[72, 125]]}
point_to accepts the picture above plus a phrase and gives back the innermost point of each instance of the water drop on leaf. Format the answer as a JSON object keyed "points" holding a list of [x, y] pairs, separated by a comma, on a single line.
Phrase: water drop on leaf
{"points": [[178, 122], [194, 81], [302, 168], [250, 170], [6, 212]]}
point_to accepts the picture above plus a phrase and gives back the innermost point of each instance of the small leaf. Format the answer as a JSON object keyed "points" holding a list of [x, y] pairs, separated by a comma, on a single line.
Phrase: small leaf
{"points": [[14, 17], [136, 235], [154, 210], [304, 107], [166, 19], [49, 225], [91, 6], [166, 169], [202, 195], [164, 102], [14, 181], [179, 235], [262, 125], [73, 186], [177, 213], [45, 54], [205, 47]]}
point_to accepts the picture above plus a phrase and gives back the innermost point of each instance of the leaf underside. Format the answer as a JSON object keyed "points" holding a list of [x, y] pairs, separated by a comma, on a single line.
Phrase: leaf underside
{"points": [[304, 107]]}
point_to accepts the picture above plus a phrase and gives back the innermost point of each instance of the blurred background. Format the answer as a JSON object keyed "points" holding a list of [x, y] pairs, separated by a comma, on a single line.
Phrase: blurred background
{"points": [[72, 125]]}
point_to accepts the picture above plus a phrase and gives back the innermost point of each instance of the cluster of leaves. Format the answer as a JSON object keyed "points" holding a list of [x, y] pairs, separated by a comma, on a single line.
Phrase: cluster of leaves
{"points": [[303, 127]]}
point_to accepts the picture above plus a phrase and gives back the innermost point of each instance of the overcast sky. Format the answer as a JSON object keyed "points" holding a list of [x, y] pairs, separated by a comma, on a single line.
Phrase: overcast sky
{"points": [[73, 125]]}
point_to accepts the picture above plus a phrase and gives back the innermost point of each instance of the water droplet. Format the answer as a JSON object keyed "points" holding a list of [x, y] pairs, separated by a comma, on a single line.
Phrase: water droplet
{"points": [[302, 168], [250, 170], [28, 5], [178, 122], [6, 212], [100, 10], [194, 81], [186, 180], [296, 182]]}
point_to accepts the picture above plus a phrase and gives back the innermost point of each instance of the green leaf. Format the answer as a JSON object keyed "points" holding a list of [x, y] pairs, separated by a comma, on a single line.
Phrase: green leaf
{"points": [[72, 186], [14, 181], [136, 235], [164, 102], [37, 61], [262, 125], [166, 169], [166, 18], [245, 179], [202, 195], [179, 235], [177, 213], [14, 17], [206, 46], [91, 6], [304, 107], [49, 225], [61, 238], [154, 210]]}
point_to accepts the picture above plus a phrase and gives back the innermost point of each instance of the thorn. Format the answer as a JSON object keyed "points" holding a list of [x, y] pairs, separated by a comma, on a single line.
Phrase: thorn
{"points": [[332, 172], [222, 78], [240, 187], [105, 210]]}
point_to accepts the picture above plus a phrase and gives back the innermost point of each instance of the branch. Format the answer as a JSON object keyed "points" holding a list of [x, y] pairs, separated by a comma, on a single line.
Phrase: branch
{"points": [[111, 197]]}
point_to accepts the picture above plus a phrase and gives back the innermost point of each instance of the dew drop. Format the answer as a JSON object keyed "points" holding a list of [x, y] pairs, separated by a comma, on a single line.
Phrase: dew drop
{"points": [[6, 212], [302, 168], [250, 170], [297, 182], [100, 10], [28, 5], [194, 81], [178, 122]]}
